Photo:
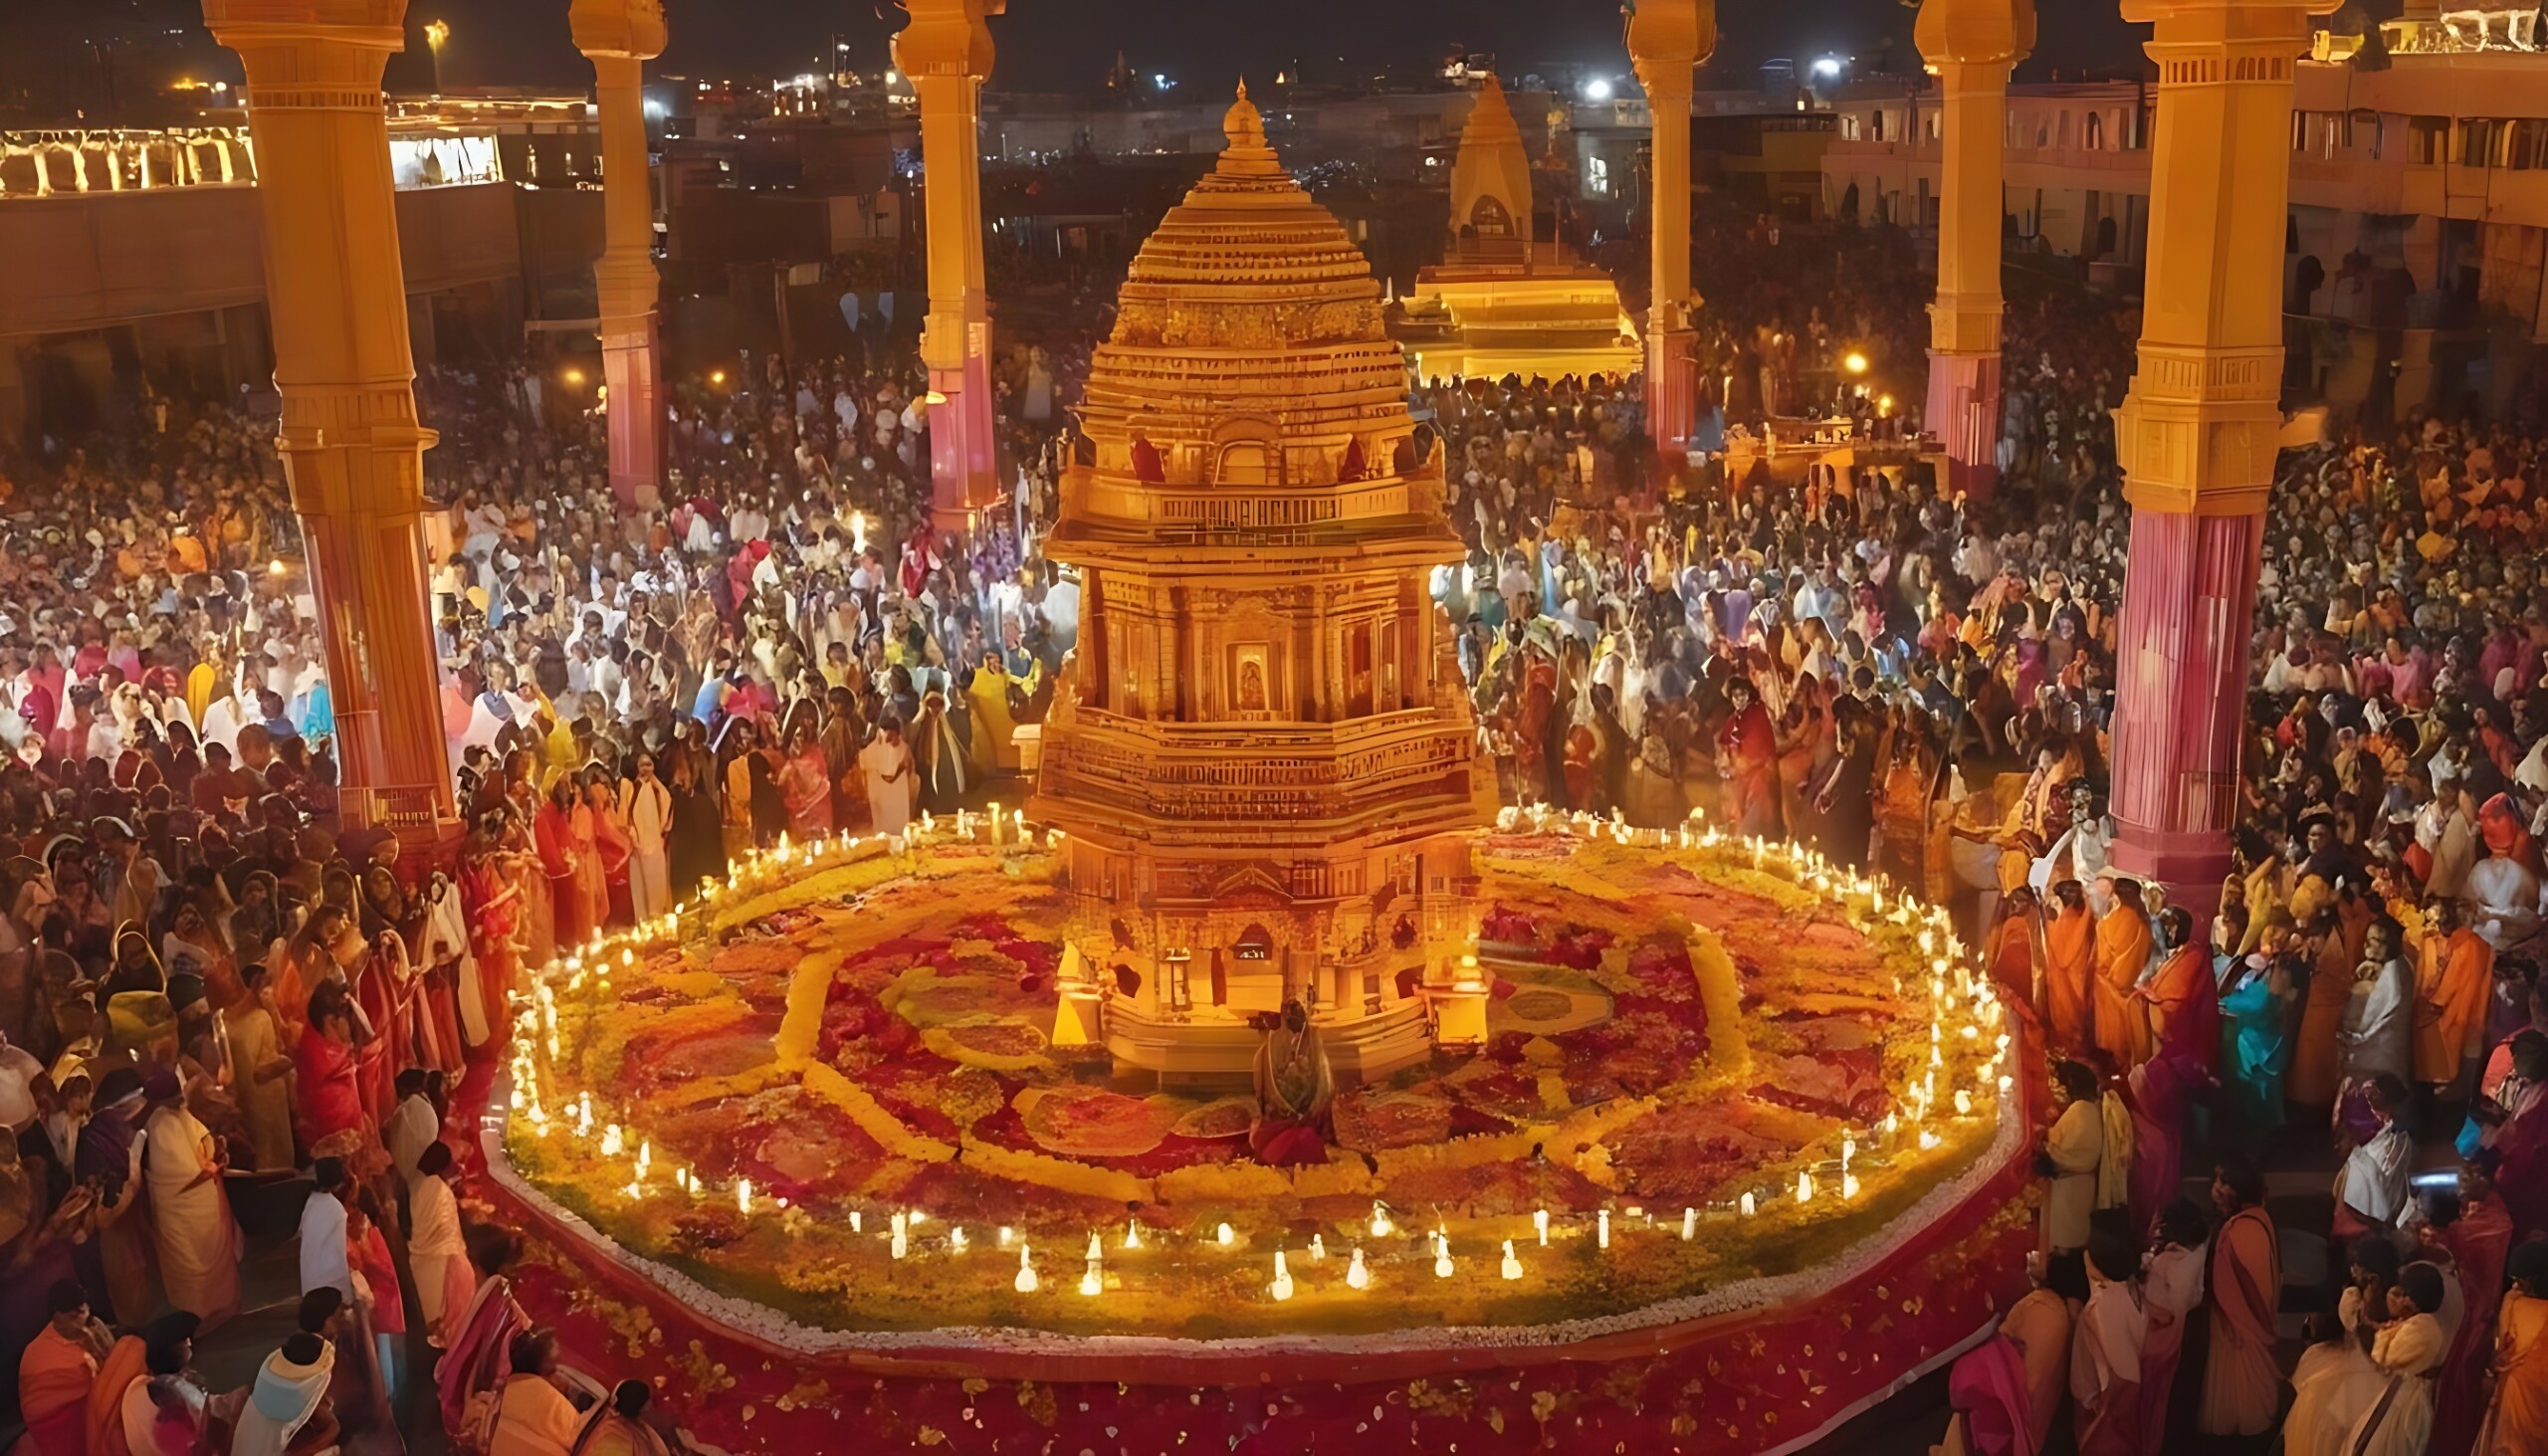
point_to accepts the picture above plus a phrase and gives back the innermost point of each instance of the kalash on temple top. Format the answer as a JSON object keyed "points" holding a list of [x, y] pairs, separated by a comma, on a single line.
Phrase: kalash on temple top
{"points": [[1262, 759]]}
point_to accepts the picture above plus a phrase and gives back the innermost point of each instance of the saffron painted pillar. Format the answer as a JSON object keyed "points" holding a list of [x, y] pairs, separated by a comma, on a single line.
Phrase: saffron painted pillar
{"points": [[1668, 39], [620, 37], [2198, 428], [352, 450], [1970, 46], [946, 53]]}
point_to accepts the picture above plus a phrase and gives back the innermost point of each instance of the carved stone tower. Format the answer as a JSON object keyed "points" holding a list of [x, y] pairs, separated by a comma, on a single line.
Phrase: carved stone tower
{"points": [[1262, 758]]}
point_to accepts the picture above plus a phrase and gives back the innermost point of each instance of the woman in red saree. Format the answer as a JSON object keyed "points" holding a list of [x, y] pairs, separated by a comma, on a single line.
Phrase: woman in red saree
{"points": [[390, 1049], [2477, 1233], [2159, 1092], [612, 850], [1988, 1389], [1747, 753], [2520, 1141], [494, 902], [478, 1335], [552, 836], [442, 959], [328, 1085], [806, 780], [2105, 1355]]}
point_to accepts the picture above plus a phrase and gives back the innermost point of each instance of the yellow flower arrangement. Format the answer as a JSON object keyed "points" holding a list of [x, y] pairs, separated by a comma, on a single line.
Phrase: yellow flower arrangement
{"points": [[888, 1130], [1060, 1175]]}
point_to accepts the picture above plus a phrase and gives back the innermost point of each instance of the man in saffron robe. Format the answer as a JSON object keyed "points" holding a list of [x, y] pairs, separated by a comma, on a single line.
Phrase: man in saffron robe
{"points": [[2123, 948], [622, 1426], [2070, 951], [2517, 1412], [2014, 952], [59, 1371], [2455, 974], [2182, 1002], [2241, 1378], [2038, 1325]]}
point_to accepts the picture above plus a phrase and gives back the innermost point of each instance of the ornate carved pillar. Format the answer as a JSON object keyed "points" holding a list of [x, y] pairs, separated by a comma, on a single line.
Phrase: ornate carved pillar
{"points": [[2197, 432], [1970, 46], [620, 37], [946, 53], [352, 448], [1668, 39]]}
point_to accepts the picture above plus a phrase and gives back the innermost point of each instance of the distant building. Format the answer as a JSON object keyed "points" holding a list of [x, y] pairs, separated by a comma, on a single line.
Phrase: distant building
{"points": [[138, 254], [2419, 223]]}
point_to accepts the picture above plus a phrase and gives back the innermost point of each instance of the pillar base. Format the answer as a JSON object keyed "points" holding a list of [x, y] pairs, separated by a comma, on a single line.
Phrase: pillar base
{"points": [[631, 364], [1963, 411], [962, 456], [1671, 391], [2182, 697]]}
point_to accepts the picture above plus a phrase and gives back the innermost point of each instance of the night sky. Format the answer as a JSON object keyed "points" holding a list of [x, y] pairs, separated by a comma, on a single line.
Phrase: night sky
{"points": [[1067, 45]]}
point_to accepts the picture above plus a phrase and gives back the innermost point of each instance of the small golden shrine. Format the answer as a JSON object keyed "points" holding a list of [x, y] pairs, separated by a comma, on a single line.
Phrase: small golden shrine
{"points": [[1503, 301], [1261, 758]]}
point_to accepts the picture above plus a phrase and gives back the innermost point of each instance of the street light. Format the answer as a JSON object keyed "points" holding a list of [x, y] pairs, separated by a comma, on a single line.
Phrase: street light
{"points": [[1855, 362], [437, 32]]}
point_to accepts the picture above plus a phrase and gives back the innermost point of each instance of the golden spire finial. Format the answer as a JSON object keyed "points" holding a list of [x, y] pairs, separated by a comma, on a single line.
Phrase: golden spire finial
{"points": [[1244, 126]]}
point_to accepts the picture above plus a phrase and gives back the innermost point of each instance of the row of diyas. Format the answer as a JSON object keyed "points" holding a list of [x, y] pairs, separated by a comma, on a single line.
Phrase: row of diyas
{"points": [[1964, 1009]]}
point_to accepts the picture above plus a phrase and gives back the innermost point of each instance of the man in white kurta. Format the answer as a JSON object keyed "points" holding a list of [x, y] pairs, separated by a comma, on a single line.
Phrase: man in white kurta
{"points": [[323, 1251], [648, 807], [190, 1212], [2372, 1185], [887, 764], [435, 1251], [2378, 1034]]}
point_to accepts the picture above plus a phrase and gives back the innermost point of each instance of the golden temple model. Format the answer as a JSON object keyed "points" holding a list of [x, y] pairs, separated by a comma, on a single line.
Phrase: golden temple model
{"points": [[1261, 756], [1503, 301]]}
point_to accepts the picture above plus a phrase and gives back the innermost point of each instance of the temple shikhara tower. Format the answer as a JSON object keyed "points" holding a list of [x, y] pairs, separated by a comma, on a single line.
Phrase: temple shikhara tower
{"points": [[1503, 301], [1262, 757]]}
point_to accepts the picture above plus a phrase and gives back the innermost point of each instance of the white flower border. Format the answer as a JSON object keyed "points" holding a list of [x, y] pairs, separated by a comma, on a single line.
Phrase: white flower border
{"points": [[766, 1326]]}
